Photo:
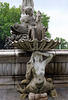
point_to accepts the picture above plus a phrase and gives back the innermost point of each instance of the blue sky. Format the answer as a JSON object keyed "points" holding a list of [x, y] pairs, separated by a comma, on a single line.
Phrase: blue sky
{"points": [[56, 9]]}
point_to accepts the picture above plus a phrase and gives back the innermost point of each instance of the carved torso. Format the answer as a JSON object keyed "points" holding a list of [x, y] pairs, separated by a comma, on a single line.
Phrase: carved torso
{"points": [[39, 68]]}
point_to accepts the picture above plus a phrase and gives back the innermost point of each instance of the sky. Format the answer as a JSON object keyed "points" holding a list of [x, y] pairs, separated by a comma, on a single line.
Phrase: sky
{"points": [[56, 9]]}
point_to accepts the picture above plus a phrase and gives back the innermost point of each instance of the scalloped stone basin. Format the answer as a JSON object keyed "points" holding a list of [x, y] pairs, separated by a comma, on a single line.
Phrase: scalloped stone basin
{"points": [[35, 45]]}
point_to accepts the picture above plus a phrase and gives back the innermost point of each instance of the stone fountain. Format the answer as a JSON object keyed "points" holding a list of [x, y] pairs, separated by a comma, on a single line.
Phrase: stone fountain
{"points": [[30, 37]]}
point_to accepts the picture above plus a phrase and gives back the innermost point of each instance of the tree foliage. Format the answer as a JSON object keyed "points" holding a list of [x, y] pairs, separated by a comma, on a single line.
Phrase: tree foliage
{"points": [[9, 16], [45, 21], [63, 43]]}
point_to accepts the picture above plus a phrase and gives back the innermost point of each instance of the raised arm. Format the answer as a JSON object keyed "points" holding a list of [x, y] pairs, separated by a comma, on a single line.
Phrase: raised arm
{"points": [[48, 55], [48, 59]]}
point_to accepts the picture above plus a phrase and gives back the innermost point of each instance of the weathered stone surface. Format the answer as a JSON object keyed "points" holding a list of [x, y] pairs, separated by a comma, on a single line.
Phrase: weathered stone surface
{"points": [[26, 3], [9, 69], [9, 59], [37, 96], [31, 96], [9, 95], [34, 45], [12, 94], [43, 95], [35, 73], [44, 98]]}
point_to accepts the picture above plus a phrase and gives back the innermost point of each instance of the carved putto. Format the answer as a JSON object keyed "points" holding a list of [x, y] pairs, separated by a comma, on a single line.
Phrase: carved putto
{"points": [[26, 3]]}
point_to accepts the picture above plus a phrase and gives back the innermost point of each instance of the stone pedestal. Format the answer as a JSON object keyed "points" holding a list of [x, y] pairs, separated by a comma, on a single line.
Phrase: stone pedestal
{"points": [[33, 96]]}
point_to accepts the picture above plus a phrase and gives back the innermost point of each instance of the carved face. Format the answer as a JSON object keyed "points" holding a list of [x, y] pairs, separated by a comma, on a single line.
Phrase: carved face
{"points": [[37, 58], [29, 11], [38, 16]]}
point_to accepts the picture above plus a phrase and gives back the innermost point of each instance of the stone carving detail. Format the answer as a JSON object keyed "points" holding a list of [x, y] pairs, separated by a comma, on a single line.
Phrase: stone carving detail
{"points": [[20, 31], [30, 29], [35, 81], [38, 31], [30, 36], [26, 3], [36, 45], [33, 96]]}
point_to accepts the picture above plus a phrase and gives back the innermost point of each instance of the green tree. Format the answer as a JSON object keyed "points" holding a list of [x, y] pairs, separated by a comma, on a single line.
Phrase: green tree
{"points": [[63, 43], [45, 21], [8, 16]]}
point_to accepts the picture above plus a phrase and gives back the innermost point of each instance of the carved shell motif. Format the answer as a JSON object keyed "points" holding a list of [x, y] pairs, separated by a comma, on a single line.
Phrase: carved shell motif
{"points": [[35, 45]]}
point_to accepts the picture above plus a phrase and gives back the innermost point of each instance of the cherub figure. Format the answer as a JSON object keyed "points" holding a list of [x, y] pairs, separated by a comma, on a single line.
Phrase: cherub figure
{"points": [[35, 80], [26, 3]]}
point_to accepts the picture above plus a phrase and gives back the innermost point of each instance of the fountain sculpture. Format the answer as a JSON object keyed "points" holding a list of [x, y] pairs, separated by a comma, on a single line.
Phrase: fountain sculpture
{"points": [[30, 36]]}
